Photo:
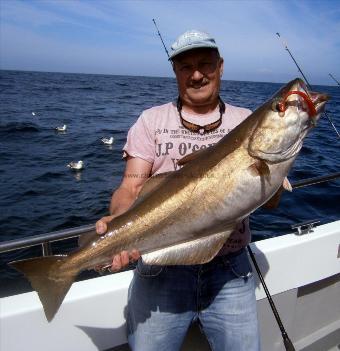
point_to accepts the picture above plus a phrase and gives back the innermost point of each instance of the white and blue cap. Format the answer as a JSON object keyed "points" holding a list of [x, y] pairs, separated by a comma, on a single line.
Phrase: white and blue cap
{"points": [[190, 40]]}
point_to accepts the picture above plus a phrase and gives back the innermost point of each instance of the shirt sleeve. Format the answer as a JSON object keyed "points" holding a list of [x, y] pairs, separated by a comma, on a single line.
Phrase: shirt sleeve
{"points": [[140, 141]]}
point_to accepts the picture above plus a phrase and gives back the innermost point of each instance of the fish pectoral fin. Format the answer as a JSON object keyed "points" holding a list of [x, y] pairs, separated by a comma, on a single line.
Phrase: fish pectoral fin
{"points": [[260, 168], [197, 251], [286, 185]]}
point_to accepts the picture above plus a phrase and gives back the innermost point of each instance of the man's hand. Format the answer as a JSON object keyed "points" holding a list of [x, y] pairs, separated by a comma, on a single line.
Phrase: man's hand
{"points": [[101, 225], [122, 199], [118, 261]]}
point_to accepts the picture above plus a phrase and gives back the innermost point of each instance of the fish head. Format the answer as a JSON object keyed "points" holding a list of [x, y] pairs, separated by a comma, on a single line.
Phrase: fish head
{"points": [[284, 121]]}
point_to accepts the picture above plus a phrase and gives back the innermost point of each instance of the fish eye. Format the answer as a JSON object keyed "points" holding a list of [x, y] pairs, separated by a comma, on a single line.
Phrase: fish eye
{"points": [[275, 106]]}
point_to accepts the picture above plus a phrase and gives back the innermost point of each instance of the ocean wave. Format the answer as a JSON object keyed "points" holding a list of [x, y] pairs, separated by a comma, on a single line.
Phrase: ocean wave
{"points": [[306, 150], [87, 88], [121, 84], [19, 127], [146, 93], [71, 221], [50, 88], [49, 176], [114, 131]]}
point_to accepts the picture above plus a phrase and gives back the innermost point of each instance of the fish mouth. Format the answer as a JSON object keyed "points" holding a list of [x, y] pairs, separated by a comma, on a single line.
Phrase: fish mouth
{"points": [[310, 101]]}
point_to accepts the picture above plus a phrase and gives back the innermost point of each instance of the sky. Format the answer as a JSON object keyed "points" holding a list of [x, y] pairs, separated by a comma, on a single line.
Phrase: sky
{"points": [[119, 37]]}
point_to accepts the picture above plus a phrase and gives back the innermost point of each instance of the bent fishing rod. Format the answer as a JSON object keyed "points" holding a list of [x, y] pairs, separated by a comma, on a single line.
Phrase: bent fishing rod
{"points": [[306, 80], [286, 341]]}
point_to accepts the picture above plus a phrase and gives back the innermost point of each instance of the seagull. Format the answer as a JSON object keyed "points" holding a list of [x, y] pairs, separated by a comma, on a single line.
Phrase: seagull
{"points": [[77, 166], [33, 113], [61, 129], [107, 141]]}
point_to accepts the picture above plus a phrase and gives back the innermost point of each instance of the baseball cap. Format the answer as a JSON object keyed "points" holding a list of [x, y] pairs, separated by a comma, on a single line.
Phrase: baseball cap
{"points": [[192, 39]]}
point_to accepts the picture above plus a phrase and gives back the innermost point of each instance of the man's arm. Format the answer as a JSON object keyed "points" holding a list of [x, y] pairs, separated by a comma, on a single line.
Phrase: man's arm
{"points": [[136, 174]]}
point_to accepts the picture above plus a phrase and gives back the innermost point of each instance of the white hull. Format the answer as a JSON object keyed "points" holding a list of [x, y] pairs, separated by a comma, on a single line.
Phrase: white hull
{"points": [[302, 273]]}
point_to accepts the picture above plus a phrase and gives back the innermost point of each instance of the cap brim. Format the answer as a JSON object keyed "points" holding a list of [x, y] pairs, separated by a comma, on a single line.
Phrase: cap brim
{"points": [[192, 47]]}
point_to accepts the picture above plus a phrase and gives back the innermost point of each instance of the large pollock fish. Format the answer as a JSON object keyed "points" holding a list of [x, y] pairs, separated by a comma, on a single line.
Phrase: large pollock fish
{"points": [[185, 217]]}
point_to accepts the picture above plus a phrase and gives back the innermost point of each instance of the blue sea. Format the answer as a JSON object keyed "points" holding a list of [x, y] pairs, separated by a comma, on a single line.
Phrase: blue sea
{"points": [[40, 194]]}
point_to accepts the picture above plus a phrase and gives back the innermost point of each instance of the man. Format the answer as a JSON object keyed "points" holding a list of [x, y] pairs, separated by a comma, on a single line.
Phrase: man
{"points": [[164, 301]]}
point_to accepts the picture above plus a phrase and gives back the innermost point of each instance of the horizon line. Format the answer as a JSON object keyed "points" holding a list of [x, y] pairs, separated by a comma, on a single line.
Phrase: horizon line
{"points": [[143, 76]]}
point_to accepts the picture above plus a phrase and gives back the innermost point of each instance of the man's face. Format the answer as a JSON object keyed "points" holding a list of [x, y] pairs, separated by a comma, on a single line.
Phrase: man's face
{"points": [[198, 74]]}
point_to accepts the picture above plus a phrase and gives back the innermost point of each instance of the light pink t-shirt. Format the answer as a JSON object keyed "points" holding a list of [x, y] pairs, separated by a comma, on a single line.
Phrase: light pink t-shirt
{"points": [[159, 138]]}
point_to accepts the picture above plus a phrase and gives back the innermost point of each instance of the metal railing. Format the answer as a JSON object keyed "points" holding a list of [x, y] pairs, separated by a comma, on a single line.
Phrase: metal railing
{"points": [[45, 240]]}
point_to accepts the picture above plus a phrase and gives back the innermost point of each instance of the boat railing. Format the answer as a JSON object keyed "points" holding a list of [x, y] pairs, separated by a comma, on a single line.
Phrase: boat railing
{"points": [[45, 240]]}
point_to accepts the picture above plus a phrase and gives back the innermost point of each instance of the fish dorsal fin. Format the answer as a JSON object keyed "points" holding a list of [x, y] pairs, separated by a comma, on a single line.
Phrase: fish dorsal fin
{"points": [[152, 183], [193, 156], [197, 251]]}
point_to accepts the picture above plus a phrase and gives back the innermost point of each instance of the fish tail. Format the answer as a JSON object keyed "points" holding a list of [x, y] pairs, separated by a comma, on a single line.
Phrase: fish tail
{"points": [[49, 278]]}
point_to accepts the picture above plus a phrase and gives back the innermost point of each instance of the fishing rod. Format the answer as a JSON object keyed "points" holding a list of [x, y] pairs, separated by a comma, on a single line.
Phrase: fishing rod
{"points": [[160, 36], [306, 80], [288, 344], [336, 81], [315, 180]]}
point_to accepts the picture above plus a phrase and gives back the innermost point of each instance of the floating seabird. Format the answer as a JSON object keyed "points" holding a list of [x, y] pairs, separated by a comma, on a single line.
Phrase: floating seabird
{"points": [[61, 129], [107, 141], [33, 113], [76, 165]]}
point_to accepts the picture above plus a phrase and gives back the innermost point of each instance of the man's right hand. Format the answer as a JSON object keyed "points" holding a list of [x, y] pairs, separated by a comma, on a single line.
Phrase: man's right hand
{"points": [[122, 259], [122, 199]]}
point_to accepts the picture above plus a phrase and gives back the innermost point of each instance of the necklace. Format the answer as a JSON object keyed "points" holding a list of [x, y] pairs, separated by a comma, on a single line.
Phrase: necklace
{"points": [[196, 128]]}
